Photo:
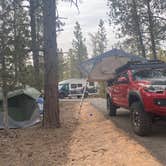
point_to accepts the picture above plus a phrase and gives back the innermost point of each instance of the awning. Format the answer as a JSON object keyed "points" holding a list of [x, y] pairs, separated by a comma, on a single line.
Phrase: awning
{"points": [[103, 67]]}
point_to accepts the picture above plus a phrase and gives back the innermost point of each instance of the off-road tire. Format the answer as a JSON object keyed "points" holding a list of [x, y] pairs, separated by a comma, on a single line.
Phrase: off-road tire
{"points": [[111, 108], [61, 95], [141, 120]]}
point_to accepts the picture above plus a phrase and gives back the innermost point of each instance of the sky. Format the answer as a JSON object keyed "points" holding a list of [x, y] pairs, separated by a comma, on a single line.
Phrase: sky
{"points": [[91, 11]]}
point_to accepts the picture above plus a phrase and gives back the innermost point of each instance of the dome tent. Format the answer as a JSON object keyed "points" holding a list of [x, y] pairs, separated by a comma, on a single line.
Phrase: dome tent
{"points": [[103, 67], [22, 107]]}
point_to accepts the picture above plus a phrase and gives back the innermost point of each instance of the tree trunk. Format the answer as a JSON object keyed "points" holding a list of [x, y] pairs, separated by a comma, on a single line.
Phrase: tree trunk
{"points": [[79, 61], [138, 29], [15, 47], [151, 30], [4, 90], [51, 104], [5, 111], [34, 42]]}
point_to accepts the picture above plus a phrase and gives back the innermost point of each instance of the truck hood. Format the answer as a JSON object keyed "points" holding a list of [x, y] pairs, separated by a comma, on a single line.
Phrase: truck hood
{"points": [[153, 85], [156, 81]]}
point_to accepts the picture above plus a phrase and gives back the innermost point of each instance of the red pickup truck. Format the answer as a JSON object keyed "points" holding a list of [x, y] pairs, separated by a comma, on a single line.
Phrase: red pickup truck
{"points": [[140, 87]]}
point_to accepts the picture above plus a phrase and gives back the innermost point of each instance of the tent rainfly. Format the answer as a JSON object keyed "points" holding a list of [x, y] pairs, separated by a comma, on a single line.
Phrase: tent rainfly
{"points": [[103, 67], [23, 109]]}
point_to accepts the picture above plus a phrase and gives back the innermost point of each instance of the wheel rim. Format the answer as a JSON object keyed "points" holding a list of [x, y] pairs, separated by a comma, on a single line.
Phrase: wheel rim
{"points": [[136, 119]]}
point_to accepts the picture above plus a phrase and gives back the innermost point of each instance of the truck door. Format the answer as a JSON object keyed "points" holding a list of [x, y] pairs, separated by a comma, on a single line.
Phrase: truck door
{"points": [[65, 90], [115, 92], [123, 85], [73, 89]]}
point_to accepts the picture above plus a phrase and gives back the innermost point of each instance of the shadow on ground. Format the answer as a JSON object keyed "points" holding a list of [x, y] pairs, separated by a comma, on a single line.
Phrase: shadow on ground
{"points": [[38, 146], [155, 143]]}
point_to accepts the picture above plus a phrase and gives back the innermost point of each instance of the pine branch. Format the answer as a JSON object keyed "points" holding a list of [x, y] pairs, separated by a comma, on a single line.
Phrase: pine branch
{"points": [[161, 18], [73, 2]]}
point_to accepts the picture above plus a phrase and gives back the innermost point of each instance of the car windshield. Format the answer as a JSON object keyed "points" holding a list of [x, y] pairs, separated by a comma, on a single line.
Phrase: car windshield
{"points": [[149, 74], [60, 86]]}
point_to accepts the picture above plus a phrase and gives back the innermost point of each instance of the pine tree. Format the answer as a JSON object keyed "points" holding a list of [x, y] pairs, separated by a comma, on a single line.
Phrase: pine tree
{"points": [[61, 64], [79, 47], [140, 21], [34, 44], [73, 62], [93, 38], [21, 38], [99, 43], [99, 39], [13, 42], [51, 105], [125, 14]]}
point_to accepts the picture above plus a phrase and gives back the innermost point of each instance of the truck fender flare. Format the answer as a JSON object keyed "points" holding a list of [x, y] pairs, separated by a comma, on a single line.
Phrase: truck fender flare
{"points": [[137, 95]]}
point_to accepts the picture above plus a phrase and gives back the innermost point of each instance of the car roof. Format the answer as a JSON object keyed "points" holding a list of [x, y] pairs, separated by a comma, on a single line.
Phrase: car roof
{"points": [[148, 64]]}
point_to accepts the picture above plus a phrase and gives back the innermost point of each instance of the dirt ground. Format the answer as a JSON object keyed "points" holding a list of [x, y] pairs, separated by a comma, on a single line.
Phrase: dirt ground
{"points": [[85, 138]]}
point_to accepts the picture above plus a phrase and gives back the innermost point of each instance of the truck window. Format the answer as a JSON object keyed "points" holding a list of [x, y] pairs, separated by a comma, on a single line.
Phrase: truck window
{"points": [[121, 78], [148, 74], [64, 87], [79, 85], [110, 82], [91, 84], [73, 86]]}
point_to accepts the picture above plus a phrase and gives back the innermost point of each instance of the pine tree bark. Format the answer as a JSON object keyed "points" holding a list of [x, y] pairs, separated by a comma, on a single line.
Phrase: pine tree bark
{"points": [[15, 47], [151, 29], [5, 111], [3, 72], [34, 42], [79, 62], [51, 104], [4, 91], [138, 29]]}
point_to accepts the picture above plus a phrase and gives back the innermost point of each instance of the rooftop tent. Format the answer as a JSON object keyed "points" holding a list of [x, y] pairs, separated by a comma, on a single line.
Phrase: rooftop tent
{"points": [[23, 109], [103, 67]]}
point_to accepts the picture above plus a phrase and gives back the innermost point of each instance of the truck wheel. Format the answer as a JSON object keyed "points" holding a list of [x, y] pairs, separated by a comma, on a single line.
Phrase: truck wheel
{"points": [[110, 107], [141, 120], [61, 95]]}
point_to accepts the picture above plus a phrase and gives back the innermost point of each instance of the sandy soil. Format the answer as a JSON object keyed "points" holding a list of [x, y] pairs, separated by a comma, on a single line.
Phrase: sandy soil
{"points": [[85, 138]]}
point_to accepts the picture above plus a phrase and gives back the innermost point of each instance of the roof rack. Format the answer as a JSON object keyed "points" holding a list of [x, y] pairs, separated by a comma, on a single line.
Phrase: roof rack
{"points": [[148, 64]]}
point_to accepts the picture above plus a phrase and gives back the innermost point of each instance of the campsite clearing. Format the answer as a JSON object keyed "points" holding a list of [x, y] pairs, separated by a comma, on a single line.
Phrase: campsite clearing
{"points": [[85, 138]]}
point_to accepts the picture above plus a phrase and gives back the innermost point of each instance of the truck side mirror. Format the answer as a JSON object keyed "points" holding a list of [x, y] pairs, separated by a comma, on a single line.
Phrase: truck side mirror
{"points": [[109, 82]]}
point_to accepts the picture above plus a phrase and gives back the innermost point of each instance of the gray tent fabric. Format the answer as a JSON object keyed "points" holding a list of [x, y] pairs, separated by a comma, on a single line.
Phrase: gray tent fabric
{"points": [[29, 91], [103, 67], [23, 109]]}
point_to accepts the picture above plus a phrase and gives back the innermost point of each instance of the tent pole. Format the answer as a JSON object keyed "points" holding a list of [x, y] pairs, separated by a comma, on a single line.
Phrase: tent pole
{"points": [[83, 95]]}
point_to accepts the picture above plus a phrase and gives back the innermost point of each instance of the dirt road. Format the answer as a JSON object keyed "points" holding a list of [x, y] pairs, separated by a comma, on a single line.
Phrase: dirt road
{"points": [[155, 143], [86, 138]]}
